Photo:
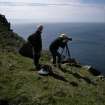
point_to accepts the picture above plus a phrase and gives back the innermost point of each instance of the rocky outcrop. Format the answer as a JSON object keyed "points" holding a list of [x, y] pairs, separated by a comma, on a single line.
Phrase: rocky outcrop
{"points": [[4, 22], [9, 40]]}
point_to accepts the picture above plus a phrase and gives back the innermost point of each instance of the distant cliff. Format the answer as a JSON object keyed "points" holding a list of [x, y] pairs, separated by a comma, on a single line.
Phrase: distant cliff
{"points": [[3, 21], [9, 40]]}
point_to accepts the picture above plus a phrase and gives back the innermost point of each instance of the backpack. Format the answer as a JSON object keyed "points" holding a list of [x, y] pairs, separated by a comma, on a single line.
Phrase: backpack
{"points": [[26, 50]]}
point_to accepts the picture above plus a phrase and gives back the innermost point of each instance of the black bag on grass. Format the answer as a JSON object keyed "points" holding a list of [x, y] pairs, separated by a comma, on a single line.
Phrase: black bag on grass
{"points": [[26, 50]]}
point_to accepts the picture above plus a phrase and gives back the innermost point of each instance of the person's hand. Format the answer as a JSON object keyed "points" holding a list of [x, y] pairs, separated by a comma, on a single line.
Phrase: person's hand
{"points": [[70, 39], [65, 40]]}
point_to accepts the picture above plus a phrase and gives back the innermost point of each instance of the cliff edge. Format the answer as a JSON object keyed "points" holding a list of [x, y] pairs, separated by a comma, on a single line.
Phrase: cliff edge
{"points": [[20, 84]]}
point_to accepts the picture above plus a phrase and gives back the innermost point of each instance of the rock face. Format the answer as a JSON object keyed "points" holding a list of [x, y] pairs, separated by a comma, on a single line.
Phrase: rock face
{"points": [[9, 41], [4, 22]]}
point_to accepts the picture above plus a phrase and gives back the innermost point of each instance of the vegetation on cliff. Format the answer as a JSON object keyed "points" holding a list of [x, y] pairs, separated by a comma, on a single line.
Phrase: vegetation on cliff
{"points": [[9, 40], [20, 83]]}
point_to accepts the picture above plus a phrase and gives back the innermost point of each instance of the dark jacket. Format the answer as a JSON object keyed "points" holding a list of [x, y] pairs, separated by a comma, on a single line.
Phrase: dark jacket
{"points": [[57, 43], [36, 41]]}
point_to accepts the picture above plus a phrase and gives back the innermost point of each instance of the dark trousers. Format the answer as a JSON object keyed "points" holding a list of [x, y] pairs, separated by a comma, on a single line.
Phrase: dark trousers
{"points": [[56, 55], [36, 57]]}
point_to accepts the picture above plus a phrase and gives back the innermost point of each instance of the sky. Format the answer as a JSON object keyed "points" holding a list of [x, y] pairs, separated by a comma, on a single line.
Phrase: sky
{"points": [[53, 10]]}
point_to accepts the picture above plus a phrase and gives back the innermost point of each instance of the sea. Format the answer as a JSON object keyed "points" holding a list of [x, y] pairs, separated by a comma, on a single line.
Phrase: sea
{"points": [[87, 45]]}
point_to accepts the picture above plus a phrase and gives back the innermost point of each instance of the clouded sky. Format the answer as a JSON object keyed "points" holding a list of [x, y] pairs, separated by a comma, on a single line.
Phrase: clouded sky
{"points": [[54, 10]]}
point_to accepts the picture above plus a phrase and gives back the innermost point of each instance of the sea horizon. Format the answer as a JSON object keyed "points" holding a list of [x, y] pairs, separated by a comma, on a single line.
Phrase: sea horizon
{"points": [[88, 45]]}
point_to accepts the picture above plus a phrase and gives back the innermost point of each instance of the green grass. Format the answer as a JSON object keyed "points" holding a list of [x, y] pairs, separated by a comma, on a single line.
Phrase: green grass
{"points": [[9, 41], [20, 85]]}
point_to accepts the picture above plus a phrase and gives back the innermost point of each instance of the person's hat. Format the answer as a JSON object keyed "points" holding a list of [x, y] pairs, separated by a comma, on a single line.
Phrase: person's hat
{"points": [[64, 36]]}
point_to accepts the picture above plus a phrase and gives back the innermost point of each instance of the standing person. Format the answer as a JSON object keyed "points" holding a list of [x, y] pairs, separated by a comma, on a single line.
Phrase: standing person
{"points": [[61, 41], [36, 42]]}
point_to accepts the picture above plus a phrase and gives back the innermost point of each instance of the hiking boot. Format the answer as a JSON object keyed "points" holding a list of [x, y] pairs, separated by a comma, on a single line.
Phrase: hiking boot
{"points": [[42, 71]]}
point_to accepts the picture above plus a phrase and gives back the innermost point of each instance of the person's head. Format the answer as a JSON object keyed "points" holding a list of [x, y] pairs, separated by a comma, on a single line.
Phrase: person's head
{"points": [[40, 28]]}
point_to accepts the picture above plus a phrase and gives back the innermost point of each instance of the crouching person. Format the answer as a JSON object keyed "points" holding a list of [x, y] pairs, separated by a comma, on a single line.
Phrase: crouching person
{"points": [[60, 42]]}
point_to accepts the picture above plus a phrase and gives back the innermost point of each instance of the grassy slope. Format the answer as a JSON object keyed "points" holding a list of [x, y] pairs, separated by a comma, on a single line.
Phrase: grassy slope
{"points": [[9, 40], [20, 85]]}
